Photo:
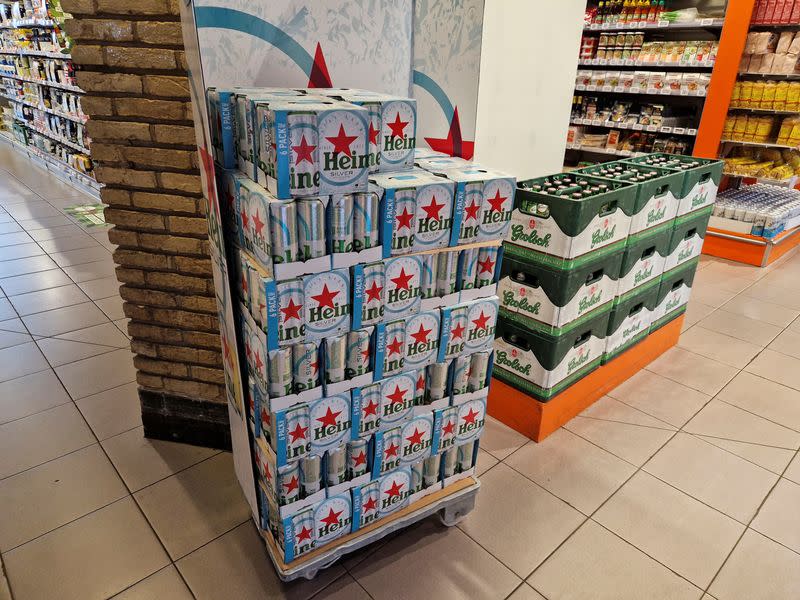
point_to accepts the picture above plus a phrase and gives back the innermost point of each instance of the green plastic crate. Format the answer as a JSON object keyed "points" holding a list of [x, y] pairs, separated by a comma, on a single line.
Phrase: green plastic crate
{"points": [[673, 294], [686, 241], [643, 260], [629, 322]]}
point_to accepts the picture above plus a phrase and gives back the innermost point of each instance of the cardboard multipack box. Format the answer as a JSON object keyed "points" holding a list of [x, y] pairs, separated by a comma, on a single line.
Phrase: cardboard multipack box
{"points": [[673, 295], [688, 236], [468, 328], [555, 226], [643, 260], [657, 192], [629, 322], [701, 178], [543, 365], [543, 298]]}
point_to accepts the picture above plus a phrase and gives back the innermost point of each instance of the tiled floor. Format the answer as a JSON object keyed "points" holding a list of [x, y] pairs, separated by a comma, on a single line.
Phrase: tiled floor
{"points": [[683, 483]]}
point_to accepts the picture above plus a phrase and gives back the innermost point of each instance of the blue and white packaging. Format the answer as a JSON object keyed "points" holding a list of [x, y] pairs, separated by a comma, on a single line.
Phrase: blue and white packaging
{"points": [[422, 339], [327, 303], [402, 295]]}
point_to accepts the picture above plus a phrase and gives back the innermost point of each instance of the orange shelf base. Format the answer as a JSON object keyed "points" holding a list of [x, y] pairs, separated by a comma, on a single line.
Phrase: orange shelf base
{"points": [[537, 420], [739, 247]]}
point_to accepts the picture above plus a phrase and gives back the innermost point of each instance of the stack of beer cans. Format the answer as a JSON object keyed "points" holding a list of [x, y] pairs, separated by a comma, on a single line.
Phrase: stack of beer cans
{"points": [[367, 295], [595, 260]]}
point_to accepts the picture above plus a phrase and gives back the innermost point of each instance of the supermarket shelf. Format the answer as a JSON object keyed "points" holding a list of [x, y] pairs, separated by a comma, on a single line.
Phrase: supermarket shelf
{"points": [[748, 249], [608, 89], [52, 84], [647, 25], [787, 183], [790, 77], [598, 150], [765, 111], [28, 23], [76, 118], [759, 144], [41, 53], [636, 127], [56, 138], [627, 62]]}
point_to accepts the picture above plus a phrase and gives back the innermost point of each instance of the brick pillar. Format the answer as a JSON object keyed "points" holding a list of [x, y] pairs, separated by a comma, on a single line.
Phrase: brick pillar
{"points": [[130, 61]]}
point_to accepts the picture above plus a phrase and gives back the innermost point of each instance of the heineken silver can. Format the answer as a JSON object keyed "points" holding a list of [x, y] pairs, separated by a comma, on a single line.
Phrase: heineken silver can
{"points": [[468, 264], [311, 228], [305, 366], [461, 374], [366, 221], [436, 381], [289, 483], [336, 467], [304, 157], [291, 324], [487, 265], [430, 471], [341, 221], [459, 320], [446, 272], [478, 371], [470, 219], [405, 210], [356, 458], [374, 284], [450, 461], [374, 109], [280, 372], [419, 388], [394, 357], [359, 352], [283, 226], [335, 353], [428, 287], [311, 469], [417, 473], [465, 453]]}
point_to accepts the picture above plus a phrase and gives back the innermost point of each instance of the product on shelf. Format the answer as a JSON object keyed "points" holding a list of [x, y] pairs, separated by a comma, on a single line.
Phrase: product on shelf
{"points": [[771, 52], [625, 143], [772, 12], [766, 95], [762, 129], [767, 163], [639, 82], [631, 46], [623, 12], [765, 210]]}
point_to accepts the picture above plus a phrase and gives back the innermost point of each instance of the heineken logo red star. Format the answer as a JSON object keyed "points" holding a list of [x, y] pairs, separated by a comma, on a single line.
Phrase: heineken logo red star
{"points": [[361, 459], [247, 350], [292, 310], [332, 518], [243, 214], [486, 266], [370, 504], [365, 355], [305, 534], [421, 336], [401, 281], [259, 224], [259, 364], [396, 347], [267, 472], [304, 150], [398, 396], [471, 416], [421, 382], [404, 219], [457, 331], [482, 322], [374, 292], [315, 366], [341, 142], [397, 126], [416, 437], [371, 408], [298, 433], [329, 418], [373, 134], [294, 483], [244, 283], [471, 211], [395, 490], [325, 298], [433, 209], [449, 429], [392, 450], [497, 202]]}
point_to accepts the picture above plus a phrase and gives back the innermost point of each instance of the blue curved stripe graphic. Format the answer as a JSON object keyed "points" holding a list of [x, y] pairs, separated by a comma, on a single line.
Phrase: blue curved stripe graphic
{"points": [[236, 20], [430, 86]]}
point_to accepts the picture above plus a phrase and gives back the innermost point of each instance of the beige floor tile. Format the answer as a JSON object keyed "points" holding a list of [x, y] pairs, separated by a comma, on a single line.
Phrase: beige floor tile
{"points": [[722, 420], [165, 584], [499, 439], [80, 256], [611, 409], [105, 334], [112, 412], [793, 471], [526, 592], [15, 325], [48, 299], [765, 398], [92, 270], [711, 295], [712, 475], [61, 320], [6, 310], [60, 352], [122, 325], [12, 338], [728, 269], [692, 370], [758, 569], [46, 435], [97, 374], [595, 564], [94, 557], [31, 210], [673, 403], [777, 367], [20, 360], [711, 278], [717, 346], [20, 251], [485, 462], [112, 306], [576, 471], [141, 461], [521, 544], [696, 311], [10, 226], [236, 565], [768, 457], [787, 343], [740, 327], [53, 233], [22, 284], [30, 394], [674, 529], [44, 222], [101, 288], [775, 294], [63, 244], [779, 518], [22, 266], [430, 560], [795, 325], [632, 443], [12, 239], [40, 499], [193, 507], [768, 312]]}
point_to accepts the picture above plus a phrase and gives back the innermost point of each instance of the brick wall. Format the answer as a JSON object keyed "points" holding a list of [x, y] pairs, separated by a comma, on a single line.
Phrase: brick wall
{"points": [[132, 66]]}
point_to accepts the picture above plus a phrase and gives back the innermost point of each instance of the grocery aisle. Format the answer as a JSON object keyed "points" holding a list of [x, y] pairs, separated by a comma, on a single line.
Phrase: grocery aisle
{"points": [[686, 480]]}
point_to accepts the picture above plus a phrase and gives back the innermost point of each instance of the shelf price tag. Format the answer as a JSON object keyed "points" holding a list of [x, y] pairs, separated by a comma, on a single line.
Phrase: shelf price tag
{"points": [[667, 130], [580, 87], [651, 128], [608, 88], [691, 131], [663, 23], [665, 92], [706, 22], [619, 89], [601, 61], [638, 126], [591, 88]]}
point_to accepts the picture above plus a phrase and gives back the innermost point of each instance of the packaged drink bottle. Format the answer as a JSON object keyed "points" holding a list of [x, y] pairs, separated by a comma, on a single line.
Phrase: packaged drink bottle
{"points": [[600, 15]]}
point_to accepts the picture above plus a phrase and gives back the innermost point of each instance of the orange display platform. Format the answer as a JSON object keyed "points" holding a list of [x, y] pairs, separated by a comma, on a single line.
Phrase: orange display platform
{"points": [[749, 249], [537, 420]]}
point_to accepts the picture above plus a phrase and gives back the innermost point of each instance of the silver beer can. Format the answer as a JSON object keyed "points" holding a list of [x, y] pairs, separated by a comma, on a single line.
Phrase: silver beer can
{"points": [[465, 454], [450, 462], [430, 470], [487, 265], [359, 352], [341, 221], [280, 372], [311, 228], [283, 227], [478, 371], [374, 285], [429, 285], [436, 381], [289, 483], [417, 475], [356, 458], [468, 264], [461, 374], [366, 221], [335, 358], [336, 465], [311, 470], [304, 156], [446, 272], [305, 366]]}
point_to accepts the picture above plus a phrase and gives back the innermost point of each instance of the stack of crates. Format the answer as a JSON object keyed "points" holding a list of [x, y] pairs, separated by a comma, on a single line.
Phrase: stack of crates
{"points": [[595, 261]]}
